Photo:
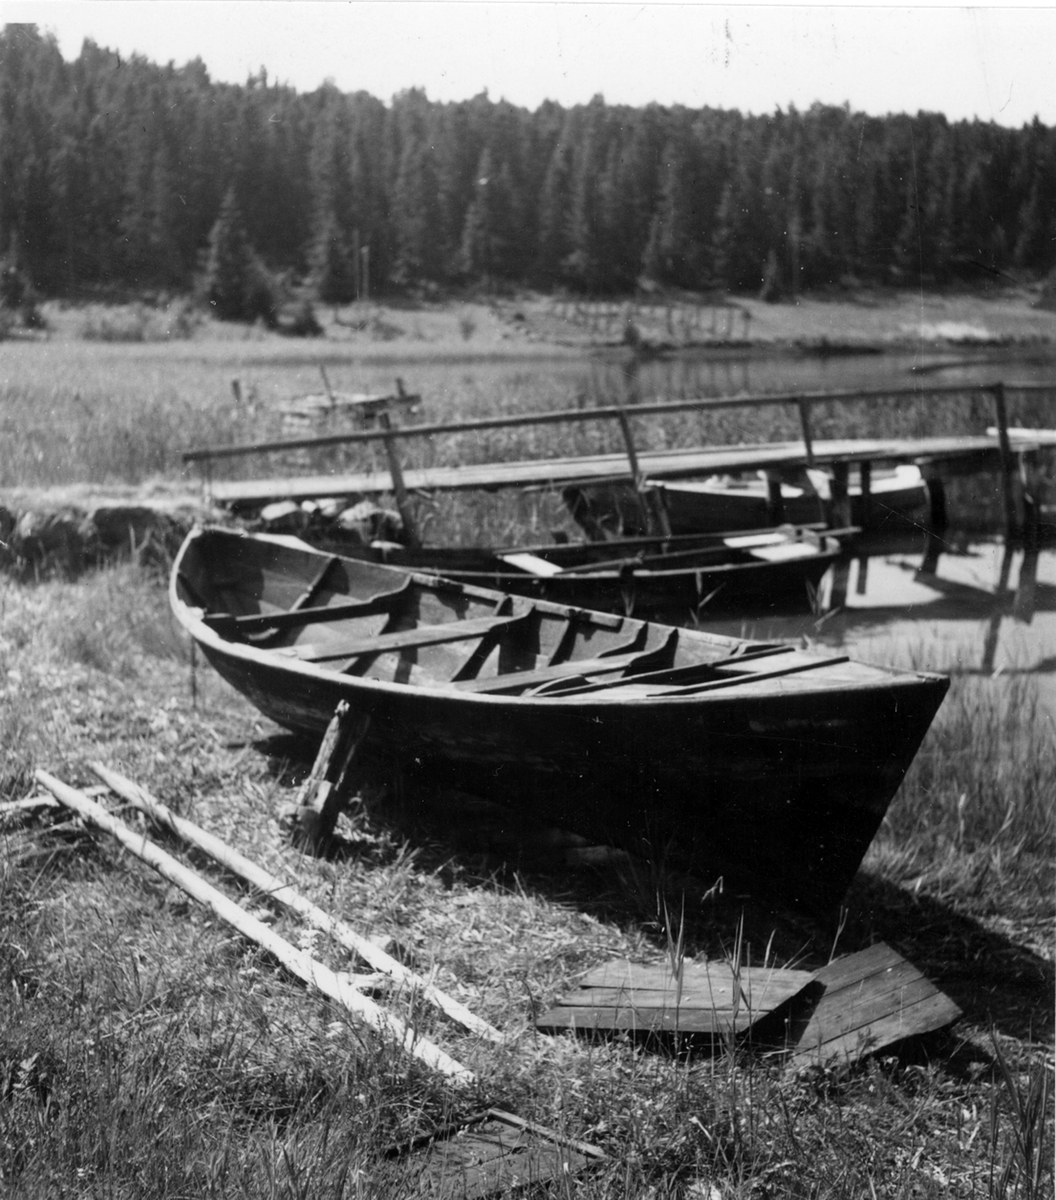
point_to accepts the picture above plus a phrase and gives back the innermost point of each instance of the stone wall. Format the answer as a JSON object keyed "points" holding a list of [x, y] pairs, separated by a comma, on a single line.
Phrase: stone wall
{"points": [[65, 540]]}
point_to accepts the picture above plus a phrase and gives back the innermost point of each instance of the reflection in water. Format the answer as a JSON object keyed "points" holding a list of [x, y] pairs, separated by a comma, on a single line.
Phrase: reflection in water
{"points": [[982, 608]]}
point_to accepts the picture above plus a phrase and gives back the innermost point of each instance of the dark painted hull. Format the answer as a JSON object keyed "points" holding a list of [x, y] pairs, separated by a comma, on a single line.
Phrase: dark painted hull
{"points": [[778, 788], [716, 580], [710, 507]]}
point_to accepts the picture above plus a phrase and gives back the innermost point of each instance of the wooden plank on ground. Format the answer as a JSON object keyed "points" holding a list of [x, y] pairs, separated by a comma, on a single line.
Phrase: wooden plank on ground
{"points": [[712, 998], [871, 1000], [494, 1153]]}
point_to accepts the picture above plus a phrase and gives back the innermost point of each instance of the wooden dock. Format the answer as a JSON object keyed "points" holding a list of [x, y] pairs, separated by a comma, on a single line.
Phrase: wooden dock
{"points": [[1002, 447], [952, 455]]}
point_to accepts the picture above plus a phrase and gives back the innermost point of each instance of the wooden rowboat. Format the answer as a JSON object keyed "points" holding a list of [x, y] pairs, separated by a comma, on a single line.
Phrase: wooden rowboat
{"points": [[767, 764], [897, 503], [754, 573]]}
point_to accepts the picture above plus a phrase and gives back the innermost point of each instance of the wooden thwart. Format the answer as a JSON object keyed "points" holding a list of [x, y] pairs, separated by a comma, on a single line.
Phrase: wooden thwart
{"points": [[405, 639]]}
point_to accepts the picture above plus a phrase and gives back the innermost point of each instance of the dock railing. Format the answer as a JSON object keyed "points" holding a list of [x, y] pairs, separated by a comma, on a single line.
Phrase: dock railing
{"points": [[802, 402]]}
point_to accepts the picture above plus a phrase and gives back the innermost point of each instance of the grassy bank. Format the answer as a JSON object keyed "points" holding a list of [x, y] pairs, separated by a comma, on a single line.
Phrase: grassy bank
{"points": [[145, 1051]]}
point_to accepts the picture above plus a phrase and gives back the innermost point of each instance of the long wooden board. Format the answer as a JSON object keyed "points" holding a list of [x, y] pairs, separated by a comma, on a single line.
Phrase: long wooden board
{"points": [[712, 998], [872, 999], [666, 464]]}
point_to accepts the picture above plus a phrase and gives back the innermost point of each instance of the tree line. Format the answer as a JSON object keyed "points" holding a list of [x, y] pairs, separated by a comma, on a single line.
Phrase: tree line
{"points": [[119, 171]]}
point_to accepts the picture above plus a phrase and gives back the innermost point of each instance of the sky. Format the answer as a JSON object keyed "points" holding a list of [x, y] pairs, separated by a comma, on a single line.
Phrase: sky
{"points": [[994, 63]]}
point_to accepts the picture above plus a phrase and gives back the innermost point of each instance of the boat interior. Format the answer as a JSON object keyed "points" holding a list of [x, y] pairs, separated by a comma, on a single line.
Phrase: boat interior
{"points": [[364, 620]]}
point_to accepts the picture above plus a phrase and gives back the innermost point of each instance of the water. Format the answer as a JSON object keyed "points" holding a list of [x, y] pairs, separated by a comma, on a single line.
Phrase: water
{"points": [[981, 609]]}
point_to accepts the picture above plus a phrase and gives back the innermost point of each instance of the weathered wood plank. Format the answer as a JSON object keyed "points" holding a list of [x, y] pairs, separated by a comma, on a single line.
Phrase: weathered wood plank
{"points": [[713, 999], [664, 464], [871, 1000]]}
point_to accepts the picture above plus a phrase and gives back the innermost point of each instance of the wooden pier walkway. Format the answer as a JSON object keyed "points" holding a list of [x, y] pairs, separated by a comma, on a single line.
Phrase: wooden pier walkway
{"points": [[951, 455]]}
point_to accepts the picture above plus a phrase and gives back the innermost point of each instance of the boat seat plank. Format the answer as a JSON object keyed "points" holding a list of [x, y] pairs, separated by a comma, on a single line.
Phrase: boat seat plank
{"points": [[521, 680], [294, 618], [403, 639], [690, 673], [752, 676]]}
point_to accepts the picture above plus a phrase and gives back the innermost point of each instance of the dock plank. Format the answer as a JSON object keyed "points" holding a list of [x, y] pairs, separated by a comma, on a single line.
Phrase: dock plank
{"points": [[666, 464]]}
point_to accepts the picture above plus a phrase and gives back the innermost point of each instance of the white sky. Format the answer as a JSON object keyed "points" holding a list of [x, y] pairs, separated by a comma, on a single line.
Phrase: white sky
{"points": [[996, 63]]}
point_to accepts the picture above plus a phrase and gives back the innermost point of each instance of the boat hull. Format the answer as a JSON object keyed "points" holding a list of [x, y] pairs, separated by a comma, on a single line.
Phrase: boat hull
{"points": [[739, 583], [897, 504], [776, 789]]}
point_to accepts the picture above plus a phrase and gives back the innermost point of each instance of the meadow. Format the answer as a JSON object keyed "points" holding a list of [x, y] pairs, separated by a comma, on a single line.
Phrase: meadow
{"points": [[146, 1051]]}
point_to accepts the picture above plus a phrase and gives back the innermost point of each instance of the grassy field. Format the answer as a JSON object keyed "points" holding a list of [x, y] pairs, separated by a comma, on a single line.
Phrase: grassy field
{"points": [[147, 1051]]}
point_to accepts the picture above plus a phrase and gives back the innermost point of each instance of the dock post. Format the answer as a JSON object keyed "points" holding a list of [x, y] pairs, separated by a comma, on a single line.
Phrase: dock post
{"points": [[865, 479], [775, 502], [804, 420], [395, 471], [840, 509], [1013, 525]]}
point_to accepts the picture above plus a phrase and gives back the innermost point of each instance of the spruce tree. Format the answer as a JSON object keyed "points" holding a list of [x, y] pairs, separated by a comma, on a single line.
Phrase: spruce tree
{"points": [[236, 284]]}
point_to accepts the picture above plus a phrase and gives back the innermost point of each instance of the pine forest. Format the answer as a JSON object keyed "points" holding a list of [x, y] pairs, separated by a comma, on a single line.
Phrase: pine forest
{"points": [[125, 173]]}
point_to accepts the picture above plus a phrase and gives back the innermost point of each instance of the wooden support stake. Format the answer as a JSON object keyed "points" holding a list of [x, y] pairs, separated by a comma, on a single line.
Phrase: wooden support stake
{"points": [[306, 968], [275, 890], [775, 502], [865, 481], [840, 510], [1013, 523], [324, 791], [804, 420], [652, 525], [396, 472]]}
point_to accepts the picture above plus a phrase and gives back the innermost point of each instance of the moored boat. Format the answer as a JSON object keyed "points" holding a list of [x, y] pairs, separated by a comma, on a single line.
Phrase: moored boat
{"points": [[766, 764], [897, 502], [755, 572]]}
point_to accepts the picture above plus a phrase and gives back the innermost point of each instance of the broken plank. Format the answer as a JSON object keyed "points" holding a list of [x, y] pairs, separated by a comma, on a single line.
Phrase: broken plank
{"points": [[712, 998], [871, 1000], [493, 1153]]}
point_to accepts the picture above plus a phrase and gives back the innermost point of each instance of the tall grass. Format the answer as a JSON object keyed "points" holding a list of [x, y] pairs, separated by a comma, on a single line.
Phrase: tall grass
{"points": [[145, 1052]]}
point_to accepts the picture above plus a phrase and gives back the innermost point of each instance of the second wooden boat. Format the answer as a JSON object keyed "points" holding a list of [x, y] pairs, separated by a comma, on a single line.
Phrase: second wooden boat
{"points": [[768, 765], [756, 573], [897, 502]]}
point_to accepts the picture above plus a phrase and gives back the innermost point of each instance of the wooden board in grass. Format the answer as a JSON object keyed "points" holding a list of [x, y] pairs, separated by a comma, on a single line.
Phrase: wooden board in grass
{"points": [[871, 1000], [491, 1154], [712, 999]]}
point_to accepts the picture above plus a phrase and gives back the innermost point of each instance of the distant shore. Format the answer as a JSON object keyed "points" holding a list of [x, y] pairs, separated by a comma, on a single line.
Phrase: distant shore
{"points": [[529, 324]]}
